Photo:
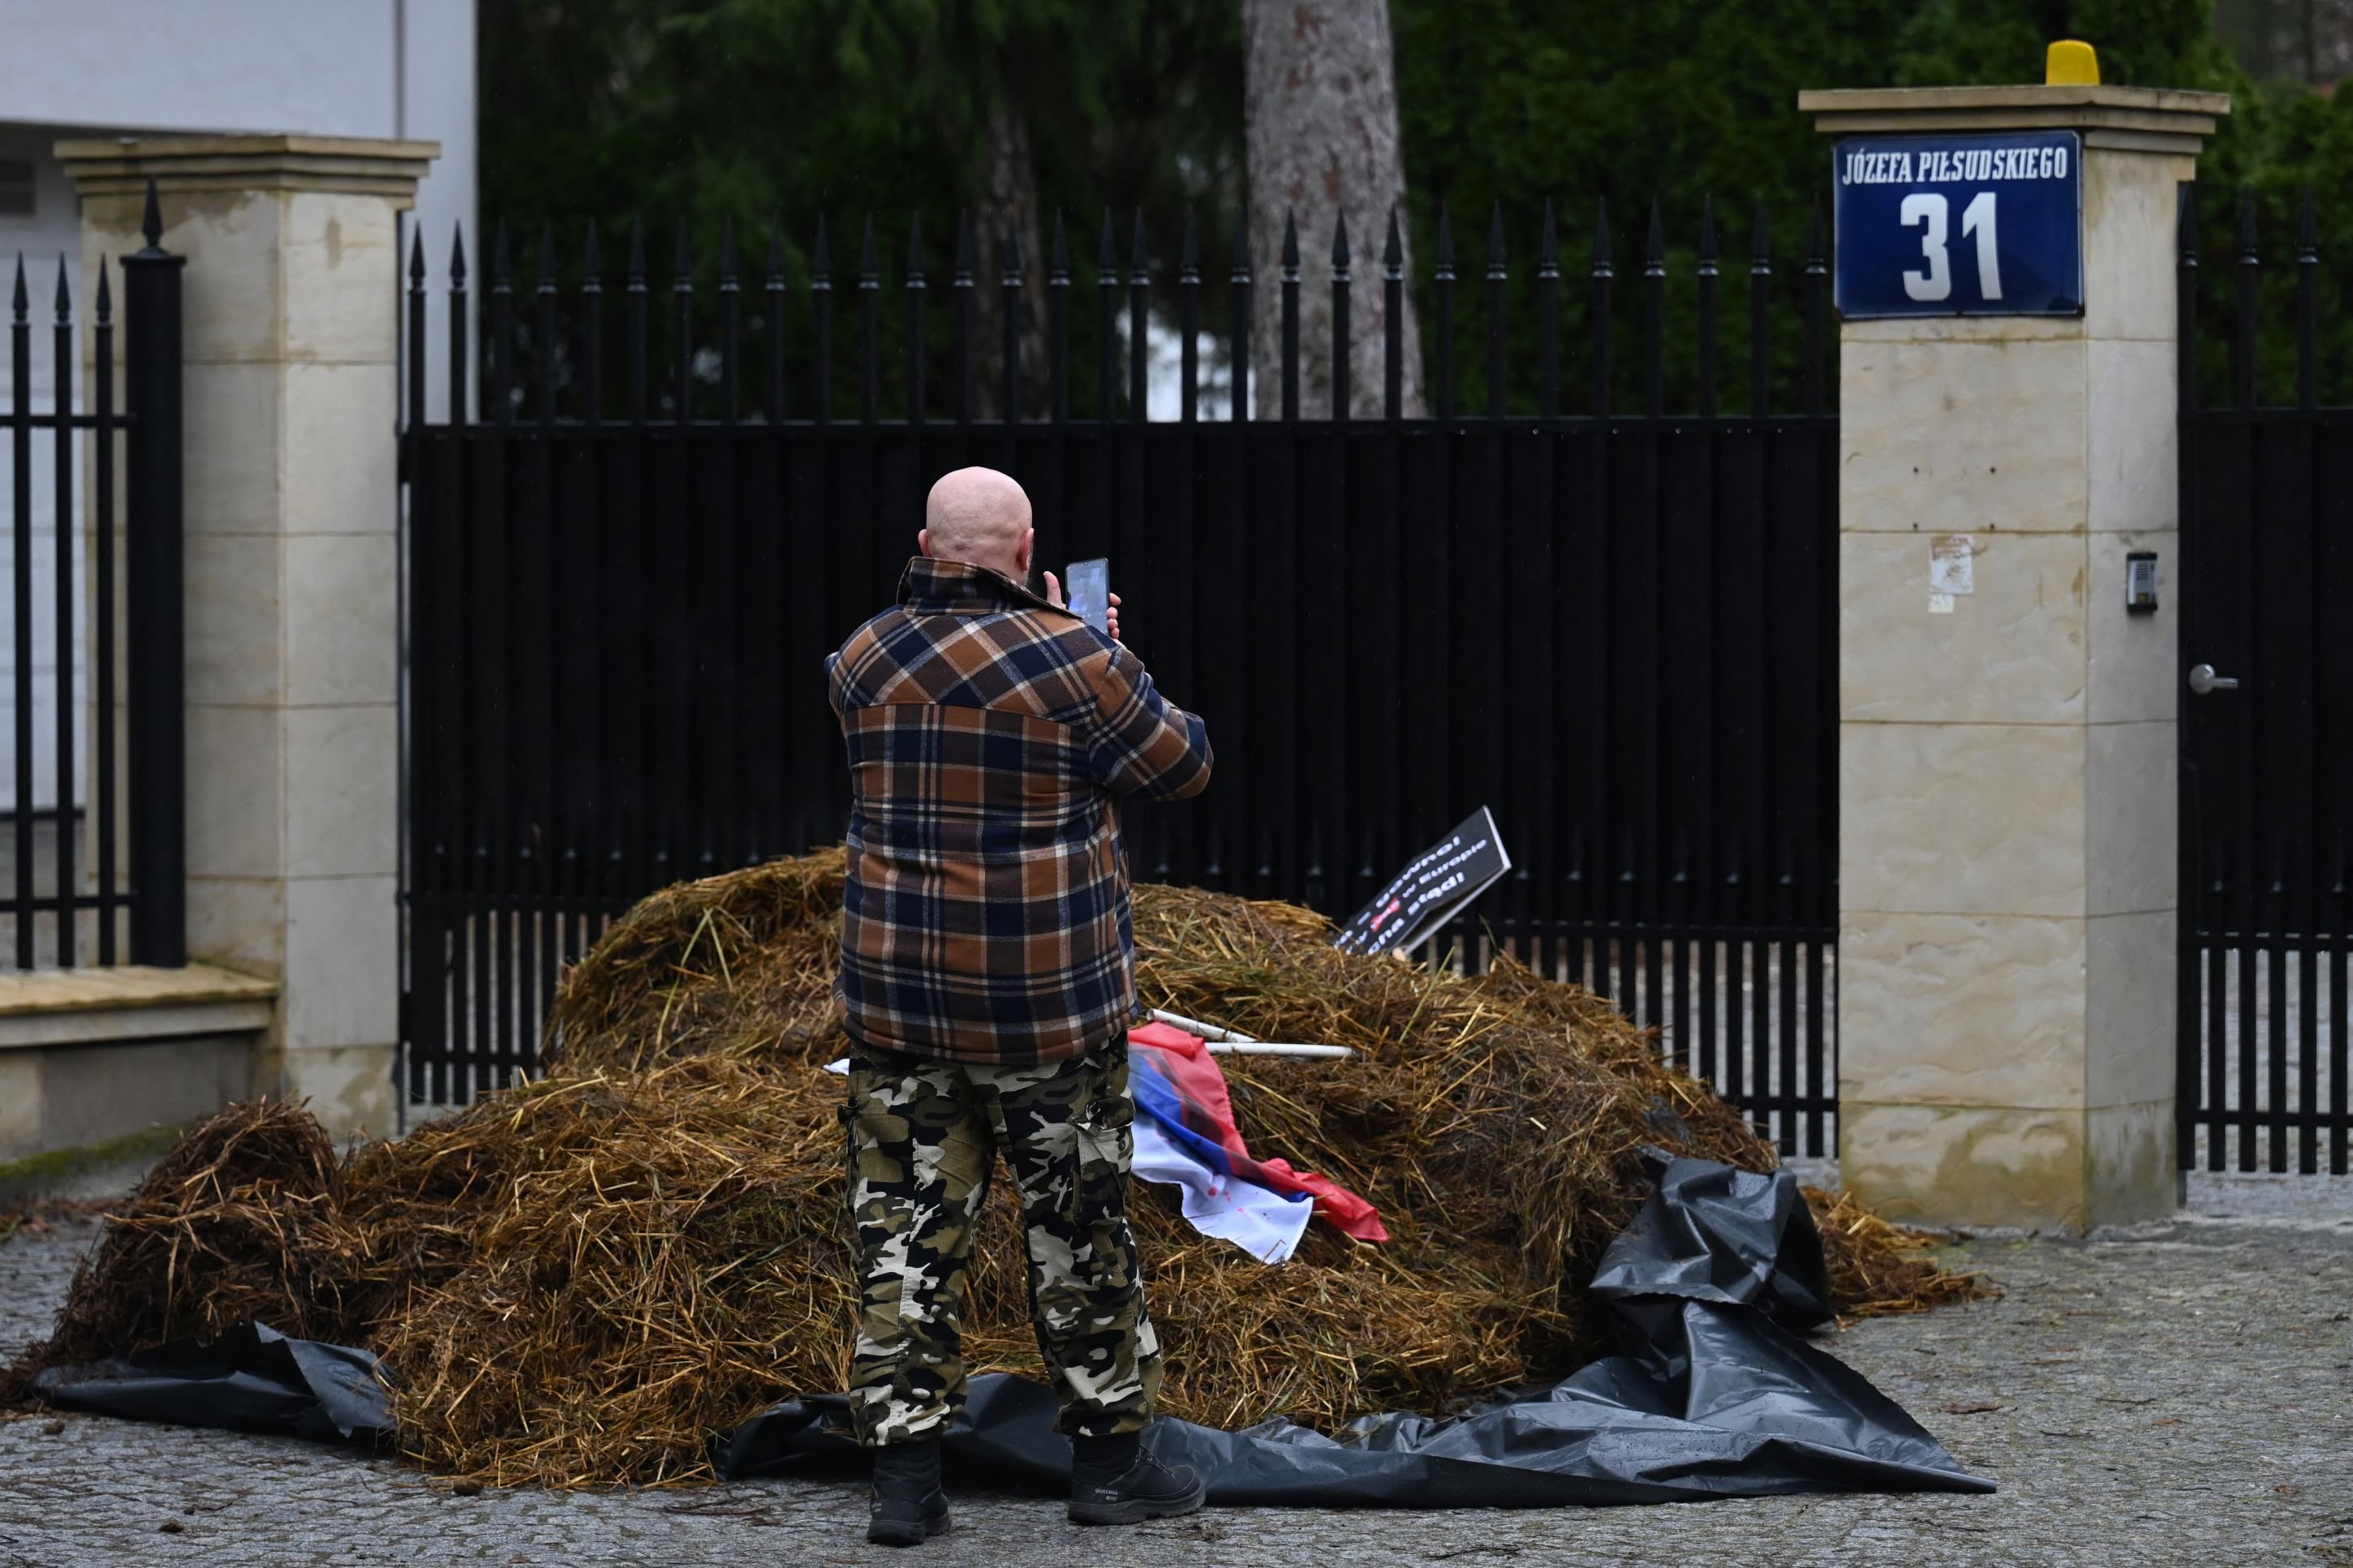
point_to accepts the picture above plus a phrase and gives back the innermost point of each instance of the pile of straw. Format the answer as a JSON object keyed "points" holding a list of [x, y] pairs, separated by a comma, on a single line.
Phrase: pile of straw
{"points": [[580, 1279]]}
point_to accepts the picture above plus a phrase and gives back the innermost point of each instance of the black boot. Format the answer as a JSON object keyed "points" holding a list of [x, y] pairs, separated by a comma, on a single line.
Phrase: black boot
{"points": [[908, 1507], [1114, 1481]]}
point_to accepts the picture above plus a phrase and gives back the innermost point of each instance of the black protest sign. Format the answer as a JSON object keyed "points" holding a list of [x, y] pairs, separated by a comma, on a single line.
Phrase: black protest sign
{"points": [[1439, 885]]}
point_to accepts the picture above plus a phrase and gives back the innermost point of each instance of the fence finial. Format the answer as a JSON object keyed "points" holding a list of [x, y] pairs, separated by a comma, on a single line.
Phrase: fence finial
{"points": [[915, 263], [2308, 240], [456, 257], [822, 258], [1655, 245], [963, 249], [501, 268], [1393, 251], [1707, 235], [65, 294], [1445, 244], [1241, 273], [1139, 263], [1496, 273], [547, 256], [1547, 246], [150, 222], [1107, 252], [417, 257], [869, 275], [777, 252], [105, 295], [2185, 221], [2247, 233], [730, 262], [1058, 265], [1009, 258], [637, 276], [1602, 249], [1760, 243], [1340, 247], [1817, 261], [592, 265], [681, 267], [1290, 245]]}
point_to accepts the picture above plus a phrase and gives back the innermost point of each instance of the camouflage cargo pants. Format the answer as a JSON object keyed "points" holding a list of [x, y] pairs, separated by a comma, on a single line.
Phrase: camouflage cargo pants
{"points": [[924, 1139]]}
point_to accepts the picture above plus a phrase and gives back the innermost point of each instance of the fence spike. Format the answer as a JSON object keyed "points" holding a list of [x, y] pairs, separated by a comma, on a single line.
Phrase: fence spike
{"points": [[1057, 274], [1393, 250], [963, 249], [151, 220], [637, 276], [867, 275], [1009, 258], [681, 267], [1496, 273], [1707, 235], [2185, 222], [775, 252], [1445, 244], [915, 263], [591, 267], [1340, 246], [1290, 245], [822, 258], [501, 272], [1760, 243], [730, 262], [1107, 250], [1241, 273], [1189, 255], [546, 256], [416, 257], [1817, 261], [1139, 263], [1654, 246], [1547, 246], [1602, 247], [2308, 240], [105, 295], [65, 294], [2247, 236]]}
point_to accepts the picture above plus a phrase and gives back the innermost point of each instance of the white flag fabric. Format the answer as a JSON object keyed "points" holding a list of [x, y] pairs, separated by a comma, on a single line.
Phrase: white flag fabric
{"points": [[1260, 1221]]}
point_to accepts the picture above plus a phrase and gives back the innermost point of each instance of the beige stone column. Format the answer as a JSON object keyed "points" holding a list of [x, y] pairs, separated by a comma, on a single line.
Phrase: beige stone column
{"points": [[2007, 767], [291, 302]]}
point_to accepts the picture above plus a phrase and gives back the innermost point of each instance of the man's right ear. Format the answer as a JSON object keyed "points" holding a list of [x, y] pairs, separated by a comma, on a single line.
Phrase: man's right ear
{"points": [[923, 542]]}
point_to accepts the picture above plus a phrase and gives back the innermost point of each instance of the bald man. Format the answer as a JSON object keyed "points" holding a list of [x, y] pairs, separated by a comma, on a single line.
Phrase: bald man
{"points": [[987, 983]]}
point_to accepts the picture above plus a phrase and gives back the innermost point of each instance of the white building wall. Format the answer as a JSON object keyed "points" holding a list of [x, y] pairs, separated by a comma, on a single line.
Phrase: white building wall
{"points": [[400, 68]]}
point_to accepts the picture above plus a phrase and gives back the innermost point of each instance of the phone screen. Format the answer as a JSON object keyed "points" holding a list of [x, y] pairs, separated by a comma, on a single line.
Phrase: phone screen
{"points": [[1089, 583]]}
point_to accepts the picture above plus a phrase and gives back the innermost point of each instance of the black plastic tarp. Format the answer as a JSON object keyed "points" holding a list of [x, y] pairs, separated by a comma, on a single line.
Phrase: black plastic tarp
{"points": [[1713, 1394]]}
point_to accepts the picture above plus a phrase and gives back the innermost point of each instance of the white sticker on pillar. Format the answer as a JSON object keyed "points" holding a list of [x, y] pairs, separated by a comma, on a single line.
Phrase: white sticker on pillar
{"points": [[1940, 604], [1952, 564]]}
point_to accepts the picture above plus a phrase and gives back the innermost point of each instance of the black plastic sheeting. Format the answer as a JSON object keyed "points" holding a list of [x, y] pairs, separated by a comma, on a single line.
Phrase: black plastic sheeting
{"points": [[1713, 1394]]}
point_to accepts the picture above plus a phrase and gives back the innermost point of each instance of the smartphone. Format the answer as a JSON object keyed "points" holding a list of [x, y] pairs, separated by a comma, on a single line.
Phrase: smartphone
{"points": [[1088, 583]]}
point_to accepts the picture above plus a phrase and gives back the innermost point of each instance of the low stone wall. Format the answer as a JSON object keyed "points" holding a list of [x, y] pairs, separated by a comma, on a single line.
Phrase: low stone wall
{"points": [[99, 1066]]}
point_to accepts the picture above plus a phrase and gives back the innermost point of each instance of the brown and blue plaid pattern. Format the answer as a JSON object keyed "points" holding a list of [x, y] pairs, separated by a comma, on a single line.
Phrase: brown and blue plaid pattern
{"points": [[990, 737]]}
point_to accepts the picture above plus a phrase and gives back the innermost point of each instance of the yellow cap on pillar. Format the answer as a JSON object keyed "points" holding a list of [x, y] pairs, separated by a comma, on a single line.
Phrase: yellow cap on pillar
{"points": [[2071, 63]]}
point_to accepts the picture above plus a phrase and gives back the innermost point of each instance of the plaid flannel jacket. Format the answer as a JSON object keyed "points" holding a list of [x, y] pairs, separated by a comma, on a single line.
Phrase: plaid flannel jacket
{"points": [[990, 737]]}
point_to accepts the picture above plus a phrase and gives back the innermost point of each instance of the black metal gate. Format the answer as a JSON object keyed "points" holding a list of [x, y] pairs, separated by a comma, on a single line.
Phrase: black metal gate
{"points": [[1614, 628], [2266, 746]]}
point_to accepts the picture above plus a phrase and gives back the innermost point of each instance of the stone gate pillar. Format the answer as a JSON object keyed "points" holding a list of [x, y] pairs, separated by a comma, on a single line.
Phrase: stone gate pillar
{"points": [[2006, 741], [292, 386]]}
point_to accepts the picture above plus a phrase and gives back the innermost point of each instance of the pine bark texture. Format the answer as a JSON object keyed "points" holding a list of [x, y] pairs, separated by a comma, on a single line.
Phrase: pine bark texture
{"points": [[1320, 117]]}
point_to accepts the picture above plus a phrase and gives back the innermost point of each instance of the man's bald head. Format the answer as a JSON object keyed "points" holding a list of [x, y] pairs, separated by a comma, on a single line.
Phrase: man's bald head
{"points": [[981, 516]]}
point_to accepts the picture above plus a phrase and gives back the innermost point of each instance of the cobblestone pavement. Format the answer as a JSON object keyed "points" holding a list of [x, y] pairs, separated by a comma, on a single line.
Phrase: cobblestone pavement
{"points": [[2179, 1392]]}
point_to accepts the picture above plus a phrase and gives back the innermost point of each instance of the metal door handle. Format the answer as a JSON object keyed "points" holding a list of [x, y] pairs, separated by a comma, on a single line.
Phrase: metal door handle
{"points": [[2202, 680]]}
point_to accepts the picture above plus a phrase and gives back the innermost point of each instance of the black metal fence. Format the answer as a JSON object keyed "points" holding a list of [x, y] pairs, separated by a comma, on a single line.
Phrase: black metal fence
{"points": [[2267, 840], [1613, 626], [95, 769]]}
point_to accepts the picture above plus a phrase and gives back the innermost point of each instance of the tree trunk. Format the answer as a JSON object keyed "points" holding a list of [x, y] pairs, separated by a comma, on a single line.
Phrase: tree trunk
{"points": [[1320, 116], [1009, 210]]}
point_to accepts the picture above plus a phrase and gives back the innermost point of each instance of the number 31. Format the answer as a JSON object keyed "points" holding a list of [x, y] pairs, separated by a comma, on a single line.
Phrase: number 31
{"points": [[1929, 209]]}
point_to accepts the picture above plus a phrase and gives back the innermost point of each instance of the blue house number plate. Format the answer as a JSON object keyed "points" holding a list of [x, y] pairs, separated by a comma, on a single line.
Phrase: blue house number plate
{"points": [[1961, 225]]}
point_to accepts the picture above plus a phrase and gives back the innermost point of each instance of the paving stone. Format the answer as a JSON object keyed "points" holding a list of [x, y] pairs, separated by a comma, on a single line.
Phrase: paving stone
{"points": [[2177, 1393]]}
